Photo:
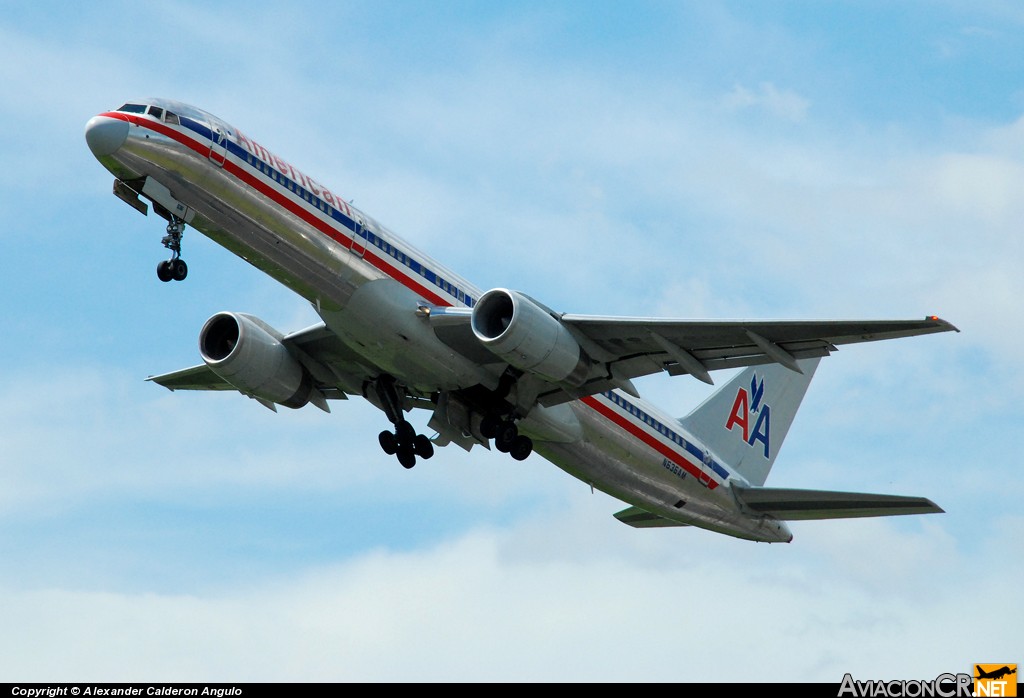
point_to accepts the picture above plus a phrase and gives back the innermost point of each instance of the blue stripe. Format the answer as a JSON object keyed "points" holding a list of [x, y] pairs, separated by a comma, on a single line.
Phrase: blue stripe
{"points": [[346, 222], [665, 431]]}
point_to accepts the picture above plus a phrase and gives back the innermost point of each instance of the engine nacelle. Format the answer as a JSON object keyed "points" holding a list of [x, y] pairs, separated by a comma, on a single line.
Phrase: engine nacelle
{"points": [[524, 334], [248, 354]]}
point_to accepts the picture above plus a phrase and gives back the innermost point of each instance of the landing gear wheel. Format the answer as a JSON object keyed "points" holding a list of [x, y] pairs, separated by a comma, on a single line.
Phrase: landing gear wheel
{"points": [[489, 427], [406, 456], [422, 446], [505, 437], [404, 442], [521, 448], [388, 443], [175, 267], [405, 432]]}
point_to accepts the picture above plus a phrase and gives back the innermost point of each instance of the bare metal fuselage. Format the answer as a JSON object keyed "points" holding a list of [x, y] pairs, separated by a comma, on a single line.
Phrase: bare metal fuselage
{"points": [[370, 288]]}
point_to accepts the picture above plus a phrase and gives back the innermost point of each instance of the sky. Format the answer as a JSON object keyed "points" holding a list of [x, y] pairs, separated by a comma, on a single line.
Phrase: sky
{"points": [[681, 159]]}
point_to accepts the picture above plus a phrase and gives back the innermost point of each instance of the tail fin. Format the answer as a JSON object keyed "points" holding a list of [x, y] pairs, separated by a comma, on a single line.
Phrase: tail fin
{"points": [[745, 421]]}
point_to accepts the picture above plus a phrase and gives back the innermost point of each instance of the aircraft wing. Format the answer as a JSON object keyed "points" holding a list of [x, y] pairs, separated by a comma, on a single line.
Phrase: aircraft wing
{"points": [[633, 347], [193, 378], [732, 343], [335, 368], [624, 348], [800, 505]]}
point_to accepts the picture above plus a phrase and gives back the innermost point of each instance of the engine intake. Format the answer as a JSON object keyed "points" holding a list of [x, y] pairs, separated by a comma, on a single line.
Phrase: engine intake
{"points": [[526, 335], [248, 353]]}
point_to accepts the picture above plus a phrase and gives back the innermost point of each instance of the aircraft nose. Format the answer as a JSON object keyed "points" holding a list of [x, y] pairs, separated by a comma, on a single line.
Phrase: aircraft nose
{"points": [[105, 135]]}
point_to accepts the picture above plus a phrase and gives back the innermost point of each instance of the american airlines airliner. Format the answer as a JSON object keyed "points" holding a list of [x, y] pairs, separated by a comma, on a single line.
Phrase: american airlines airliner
{"points": [[494, 368]]}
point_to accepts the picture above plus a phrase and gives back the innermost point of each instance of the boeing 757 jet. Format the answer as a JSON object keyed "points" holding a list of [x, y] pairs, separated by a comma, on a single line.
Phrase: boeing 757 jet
{"points": [[494, 368]]}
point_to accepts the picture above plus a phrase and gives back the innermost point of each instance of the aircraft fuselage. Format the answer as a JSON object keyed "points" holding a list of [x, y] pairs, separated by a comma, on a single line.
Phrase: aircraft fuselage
{"points": [[375, 292]]}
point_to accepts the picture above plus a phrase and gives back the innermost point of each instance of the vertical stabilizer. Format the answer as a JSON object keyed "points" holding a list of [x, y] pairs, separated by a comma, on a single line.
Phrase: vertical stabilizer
{"points": [[745, 421]]}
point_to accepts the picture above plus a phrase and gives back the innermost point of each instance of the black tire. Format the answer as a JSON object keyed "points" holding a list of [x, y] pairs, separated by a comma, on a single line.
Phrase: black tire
{"points": [[522, 447], [422, 446], [406, 457], [163, 271], [179, 270], [506, 435], [388, 442], [405, 432], [489, 427]]}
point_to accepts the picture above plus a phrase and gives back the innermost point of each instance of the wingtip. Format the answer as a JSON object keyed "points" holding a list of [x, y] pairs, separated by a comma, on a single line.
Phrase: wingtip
{"points": [[943, 324], [153, 379]]}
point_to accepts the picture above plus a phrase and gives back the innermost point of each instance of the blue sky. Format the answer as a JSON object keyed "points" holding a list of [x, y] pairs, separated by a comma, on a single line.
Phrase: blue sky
{"points": [[800, 159]]}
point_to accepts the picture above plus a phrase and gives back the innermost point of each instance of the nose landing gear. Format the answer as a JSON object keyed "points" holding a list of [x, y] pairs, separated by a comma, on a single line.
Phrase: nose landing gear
{"points": [[174, 268]]}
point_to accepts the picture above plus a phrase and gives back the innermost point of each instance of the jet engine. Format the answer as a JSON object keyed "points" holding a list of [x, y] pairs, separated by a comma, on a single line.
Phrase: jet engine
{"points": [[248, 353], [526, 335]]}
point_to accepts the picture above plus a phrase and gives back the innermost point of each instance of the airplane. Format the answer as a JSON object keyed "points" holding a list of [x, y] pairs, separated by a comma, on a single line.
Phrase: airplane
{"points": [[492, 367], [995, 674]]}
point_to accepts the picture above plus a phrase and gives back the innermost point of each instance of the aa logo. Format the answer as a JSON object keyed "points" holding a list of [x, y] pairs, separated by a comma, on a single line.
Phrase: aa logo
{"points": [[995, 679], [753, 418]]}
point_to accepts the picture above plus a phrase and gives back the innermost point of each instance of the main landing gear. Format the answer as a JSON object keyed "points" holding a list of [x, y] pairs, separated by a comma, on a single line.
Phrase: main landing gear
{"points": [[404, 441], [406, 444], [507, 438], [175, 267]]}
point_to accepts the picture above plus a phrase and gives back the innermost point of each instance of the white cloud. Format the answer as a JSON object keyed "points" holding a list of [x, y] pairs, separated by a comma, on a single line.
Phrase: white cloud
{"points": [[787, 105], [511, 605]]}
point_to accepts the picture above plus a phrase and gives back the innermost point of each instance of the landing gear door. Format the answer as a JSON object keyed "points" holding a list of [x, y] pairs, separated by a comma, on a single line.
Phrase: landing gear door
{"points": [[159, 194], [218, 146]]}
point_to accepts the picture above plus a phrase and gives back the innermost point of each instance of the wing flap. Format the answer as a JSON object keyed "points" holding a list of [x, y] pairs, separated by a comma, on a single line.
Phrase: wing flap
{"points": [[804, 505]]}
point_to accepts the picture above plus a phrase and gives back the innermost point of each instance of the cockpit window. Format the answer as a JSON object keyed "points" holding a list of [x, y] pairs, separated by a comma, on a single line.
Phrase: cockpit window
{"points": [[156, 112], [171, 118], [134, 108]]}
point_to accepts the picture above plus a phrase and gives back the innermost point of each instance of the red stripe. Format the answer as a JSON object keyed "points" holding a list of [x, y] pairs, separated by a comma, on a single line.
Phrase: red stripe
{"points": [[392, 271], [288, 204], [658, 445]]}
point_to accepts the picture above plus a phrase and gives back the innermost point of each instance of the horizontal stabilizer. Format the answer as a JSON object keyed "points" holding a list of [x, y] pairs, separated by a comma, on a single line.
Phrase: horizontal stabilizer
{"points": [[801, 505], [638, 518]]}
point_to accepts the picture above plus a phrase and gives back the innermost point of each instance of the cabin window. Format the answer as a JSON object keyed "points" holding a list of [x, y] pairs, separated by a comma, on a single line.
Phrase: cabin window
{"points": [[133, 108], [171, 118], [156, 112]]}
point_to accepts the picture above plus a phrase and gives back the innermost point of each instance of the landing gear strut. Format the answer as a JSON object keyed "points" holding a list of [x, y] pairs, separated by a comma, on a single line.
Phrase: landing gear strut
{"points": [[175, 267], [404, 441], [507, 438]]}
